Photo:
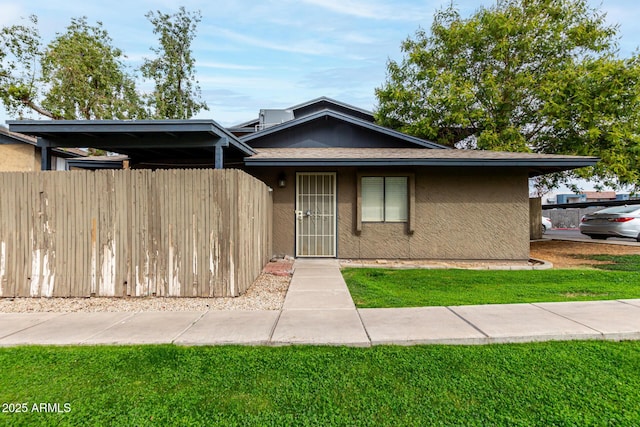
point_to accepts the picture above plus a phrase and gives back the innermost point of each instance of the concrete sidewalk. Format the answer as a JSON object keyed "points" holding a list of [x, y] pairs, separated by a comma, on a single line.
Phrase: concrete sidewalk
{"points": [[318, 310]]}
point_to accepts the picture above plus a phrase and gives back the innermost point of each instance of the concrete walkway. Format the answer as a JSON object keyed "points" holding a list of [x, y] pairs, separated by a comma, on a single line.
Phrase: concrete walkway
{"points": [[318, 310]]}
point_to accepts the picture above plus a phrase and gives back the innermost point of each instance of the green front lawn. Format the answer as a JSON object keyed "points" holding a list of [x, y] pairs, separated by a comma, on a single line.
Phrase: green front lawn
{"points": [[374, 287], [555, 383]]}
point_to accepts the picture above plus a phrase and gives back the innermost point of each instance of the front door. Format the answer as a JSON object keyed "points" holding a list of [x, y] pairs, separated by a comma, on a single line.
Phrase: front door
{"points": [[316, 214]]}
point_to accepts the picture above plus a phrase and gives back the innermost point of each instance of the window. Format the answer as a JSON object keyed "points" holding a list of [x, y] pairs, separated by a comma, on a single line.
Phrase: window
{"points": [[384, 199]]}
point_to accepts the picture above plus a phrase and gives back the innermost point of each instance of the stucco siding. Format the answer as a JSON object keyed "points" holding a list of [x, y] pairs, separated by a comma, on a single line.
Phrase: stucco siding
{"points": [[459, 214], [283, 209], [18, 158], [472, 215]]}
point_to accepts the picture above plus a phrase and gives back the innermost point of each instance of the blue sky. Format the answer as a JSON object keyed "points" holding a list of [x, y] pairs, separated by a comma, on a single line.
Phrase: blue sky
{"points": [[277, 53]]}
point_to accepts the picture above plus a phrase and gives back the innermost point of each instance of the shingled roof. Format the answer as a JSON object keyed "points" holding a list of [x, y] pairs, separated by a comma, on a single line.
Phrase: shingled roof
{"points": [[537, 164]]}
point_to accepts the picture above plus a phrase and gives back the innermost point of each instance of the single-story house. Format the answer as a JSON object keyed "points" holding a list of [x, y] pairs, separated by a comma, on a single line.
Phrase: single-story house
{"points": [[343, 186], [20, 153]]}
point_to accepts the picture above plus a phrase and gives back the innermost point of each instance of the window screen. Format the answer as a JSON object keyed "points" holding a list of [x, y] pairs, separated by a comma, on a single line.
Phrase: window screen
{"points": [[395, 199], [373, 198]]}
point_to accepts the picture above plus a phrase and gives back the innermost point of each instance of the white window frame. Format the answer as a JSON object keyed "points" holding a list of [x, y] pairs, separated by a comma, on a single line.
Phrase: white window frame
{"points": [[385, 208], [411, 199]]}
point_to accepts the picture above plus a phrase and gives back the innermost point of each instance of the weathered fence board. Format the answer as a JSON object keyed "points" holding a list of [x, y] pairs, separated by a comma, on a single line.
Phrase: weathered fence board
{"points": [[132, 233]]}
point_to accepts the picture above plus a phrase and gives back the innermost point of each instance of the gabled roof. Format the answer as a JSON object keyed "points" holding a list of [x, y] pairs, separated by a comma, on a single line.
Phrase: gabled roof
{"points": [[321, 115], [536, 164], [310, 107], [324, 103]]}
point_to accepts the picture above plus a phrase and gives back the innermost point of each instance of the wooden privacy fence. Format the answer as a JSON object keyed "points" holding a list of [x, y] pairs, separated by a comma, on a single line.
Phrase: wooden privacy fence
{"points": [[176, 233]]}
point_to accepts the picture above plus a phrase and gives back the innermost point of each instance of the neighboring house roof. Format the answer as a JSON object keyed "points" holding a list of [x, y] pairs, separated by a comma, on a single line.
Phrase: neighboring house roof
{"points": [[98, 162], [600, 194], [148, 140], [8, 137], [537, 164], [253, 139]]}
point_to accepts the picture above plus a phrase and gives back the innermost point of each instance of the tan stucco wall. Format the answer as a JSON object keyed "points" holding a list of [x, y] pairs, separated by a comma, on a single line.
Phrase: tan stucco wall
{"points": [[459, 214], [283, 209], [18, 158]]}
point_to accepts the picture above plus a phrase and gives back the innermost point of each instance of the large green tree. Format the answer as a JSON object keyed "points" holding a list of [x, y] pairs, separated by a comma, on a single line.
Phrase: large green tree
{"points": [[522, 75], [79, 75], [20, 54], [176, 94]]}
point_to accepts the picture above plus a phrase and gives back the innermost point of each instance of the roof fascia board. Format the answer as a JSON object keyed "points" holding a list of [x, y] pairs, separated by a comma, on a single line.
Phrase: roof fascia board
{"points": [[530, 163], [111, 126], [346, 118], [65, 154]]}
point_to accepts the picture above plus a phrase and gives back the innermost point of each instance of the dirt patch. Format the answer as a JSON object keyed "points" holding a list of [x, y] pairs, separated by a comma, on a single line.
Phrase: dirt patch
{"points": [[565, 254]]}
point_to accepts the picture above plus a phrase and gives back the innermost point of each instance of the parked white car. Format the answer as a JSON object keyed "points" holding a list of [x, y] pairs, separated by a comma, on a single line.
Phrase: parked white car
{"points": [[618, 221], [546, 224]]}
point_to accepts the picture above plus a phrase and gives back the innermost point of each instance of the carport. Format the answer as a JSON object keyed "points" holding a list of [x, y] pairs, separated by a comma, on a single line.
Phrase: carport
{"points": [[147, 143]]}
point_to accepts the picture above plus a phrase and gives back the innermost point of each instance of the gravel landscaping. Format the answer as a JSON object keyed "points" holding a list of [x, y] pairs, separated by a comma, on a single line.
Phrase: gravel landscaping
{"points": [[266, 293]]}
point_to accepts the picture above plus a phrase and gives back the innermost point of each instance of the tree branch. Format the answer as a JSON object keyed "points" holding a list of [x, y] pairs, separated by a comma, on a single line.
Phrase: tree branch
{"points": [[29, 103]]}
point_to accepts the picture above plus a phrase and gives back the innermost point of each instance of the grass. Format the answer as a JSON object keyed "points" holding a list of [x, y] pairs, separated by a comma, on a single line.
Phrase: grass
{"points": [[568, 383], [374, 288], [617, 262]]}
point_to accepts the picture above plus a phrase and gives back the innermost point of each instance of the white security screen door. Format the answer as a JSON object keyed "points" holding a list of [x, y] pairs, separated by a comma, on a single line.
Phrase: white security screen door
{"points": [[316, 214]]}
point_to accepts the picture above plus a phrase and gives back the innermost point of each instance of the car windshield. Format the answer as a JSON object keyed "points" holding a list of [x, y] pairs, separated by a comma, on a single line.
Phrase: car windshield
{"points": [[620, 209]]}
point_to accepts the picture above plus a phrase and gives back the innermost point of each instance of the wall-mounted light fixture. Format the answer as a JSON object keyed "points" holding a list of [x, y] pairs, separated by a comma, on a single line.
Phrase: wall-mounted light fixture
{"points": [[282, 180]]}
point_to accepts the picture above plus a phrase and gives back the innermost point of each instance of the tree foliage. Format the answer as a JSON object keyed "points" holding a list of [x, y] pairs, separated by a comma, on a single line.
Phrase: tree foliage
{"points": [[523, 75], [176, 94], [86, 76], [81, 75], [20, 54], [78, 75]]}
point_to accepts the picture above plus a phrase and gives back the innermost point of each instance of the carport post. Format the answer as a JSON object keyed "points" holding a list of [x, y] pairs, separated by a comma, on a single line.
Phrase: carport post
{"points": [[45, 154], [219, 161]]}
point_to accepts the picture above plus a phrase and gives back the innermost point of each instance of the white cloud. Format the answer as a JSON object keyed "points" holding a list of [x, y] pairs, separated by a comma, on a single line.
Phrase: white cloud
{"points": [[307, 47], [372, 10]]}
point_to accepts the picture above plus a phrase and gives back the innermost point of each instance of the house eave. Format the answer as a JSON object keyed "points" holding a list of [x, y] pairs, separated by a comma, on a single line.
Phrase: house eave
{"points": [[535, 167]]}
